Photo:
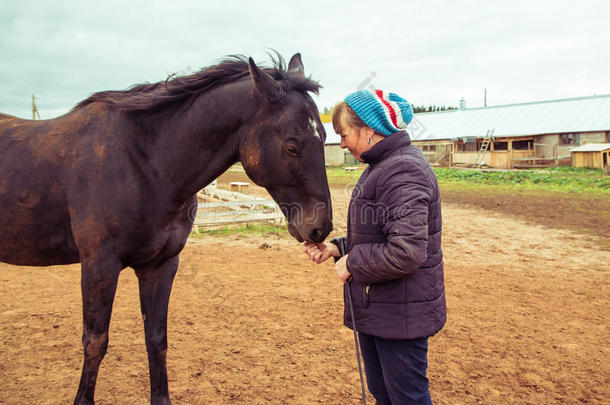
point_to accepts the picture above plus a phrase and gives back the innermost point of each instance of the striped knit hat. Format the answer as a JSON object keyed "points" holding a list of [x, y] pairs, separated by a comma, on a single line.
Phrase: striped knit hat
{"points": [[384, 112]]}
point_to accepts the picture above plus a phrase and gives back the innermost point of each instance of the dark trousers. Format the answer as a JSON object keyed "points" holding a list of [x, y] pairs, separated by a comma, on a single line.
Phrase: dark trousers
{"points": [[396, 370]]}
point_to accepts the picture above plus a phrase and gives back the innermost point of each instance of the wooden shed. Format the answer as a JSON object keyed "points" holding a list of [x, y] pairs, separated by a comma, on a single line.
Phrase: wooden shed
{"points": [[596, 155]]}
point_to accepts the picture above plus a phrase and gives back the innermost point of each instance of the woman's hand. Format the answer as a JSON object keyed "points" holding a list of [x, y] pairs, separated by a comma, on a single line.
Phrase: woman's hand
{"points": [[341, 269], [320, 252]]}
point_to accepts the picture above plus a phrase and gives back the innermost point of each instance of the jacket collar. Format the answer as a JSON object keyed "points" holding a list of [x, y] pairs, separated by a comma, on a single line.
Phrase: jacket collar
{"points": [[384, 148]]}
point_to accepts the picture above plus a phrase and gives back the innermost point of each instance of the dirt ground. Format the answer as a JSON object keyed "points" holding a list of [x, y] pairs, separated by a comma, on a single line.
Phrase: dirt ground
{"points": [[252, 321]]}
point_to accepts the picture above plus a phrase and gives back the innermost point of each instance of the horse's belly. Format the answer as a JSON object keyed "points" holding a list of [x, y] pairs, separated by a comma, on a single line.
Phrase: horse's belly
{"points": [[39, 250], [35, 238]]}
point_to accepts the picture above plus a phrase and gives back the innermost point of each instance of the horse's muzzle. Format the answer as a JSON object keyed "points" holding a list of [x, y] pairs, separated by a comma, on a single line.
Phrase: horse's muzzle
{"points": [[314, 234]]}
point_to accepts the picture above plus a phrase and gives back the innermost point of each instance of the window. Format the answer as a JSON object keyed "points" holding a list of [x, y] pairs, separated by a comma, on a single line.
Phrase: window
{"points": [[467, 147], [523, 145], [428, 148], [607, 136], [500, 145], [569, 139]]}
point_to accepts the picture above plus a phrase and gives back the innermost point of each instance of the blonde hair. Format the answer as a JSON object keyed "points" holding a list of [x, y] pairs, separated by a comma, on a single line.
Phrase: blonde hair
{"points": [[352, 119]]}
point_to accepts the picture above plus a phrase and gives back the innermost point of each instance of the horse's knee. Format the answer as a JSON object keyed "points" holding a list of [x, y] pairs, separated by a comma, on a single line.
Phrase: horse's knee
{"points": [[160, 400], [157, 345], [95, 346]]}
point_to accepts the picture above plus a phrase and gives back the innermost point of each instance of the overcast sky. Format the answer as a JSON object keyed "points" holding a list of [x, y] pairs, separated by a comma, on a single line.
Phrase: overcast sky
{"points": [[429, 52]]}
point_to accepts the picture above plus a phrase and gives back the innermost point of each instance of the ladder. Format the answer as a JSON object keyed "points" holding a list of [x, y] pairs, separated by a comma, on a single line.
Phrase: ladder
{"points": [[484, 148]]}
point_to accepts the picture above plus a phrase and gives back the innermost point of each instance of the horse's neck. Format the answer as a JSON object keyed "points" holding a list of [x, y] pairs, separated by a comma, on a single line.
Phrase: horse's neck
{"points": [[197, 145]]}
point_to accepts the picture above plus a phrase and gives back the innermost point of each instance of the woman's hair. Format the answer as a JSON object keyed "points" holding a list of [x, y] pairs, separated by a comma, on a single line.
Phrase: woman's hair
{"points": [[352, 119]]}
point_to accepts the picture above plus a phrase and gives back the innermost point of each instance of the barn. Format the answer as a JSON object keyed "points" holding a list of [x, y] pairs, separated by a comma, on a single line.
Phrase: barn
{"points": [[524, 135]]}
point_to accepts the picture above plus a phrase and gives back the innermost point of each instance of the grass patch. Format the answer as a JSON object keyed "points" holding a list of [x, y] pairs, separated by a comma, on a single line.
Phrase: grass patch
{"points": [[561, 179], [259, 229], [500, 191], [338, 174]]}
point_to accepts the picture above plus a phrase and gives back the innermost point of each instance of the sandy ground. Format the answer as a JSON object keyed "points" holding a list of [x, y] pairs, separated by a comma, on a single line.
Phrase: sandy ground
{"points": [[252, 321]]}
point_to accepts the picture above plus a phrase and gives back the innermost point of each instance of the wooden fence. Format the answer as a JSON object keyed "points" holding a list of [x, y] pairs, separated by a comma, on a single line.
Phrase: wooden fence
{"points": [[217, 207]]}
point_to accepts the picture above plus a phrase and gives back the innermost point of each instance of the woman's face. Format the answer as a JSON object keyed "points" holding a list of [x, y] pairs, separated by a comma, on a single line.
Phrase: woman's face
{"points": [[354, 139]]}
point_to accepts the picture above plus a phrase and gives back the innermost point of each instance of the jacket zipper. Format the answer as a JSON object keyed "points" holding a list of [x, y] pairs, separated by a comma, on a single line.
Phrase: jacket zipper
{"points": [[367, 290]]}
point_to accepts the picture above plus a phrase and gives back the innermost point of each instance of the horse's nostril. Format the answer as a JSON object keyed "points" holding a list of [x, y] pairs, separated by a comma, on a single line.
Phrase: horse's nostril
{"points": [[316, 235]]}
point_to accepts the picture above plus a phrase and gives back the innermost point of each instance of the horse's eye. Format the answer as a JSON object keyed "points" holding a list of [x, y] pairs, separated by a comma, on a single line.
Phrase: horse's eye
{"points": [[292, 149]]}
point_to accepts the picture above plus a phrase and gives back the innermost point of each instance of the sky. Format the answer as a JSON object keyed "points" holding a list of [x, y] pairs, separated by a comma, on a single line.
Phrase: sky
{"points": [[430, 52]]}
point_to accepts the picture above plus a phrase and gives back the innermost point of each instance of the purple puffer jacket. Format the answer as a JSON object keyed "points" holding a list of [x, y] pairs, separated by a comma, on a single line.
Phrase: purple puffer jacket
{"points": [[394, 244]]}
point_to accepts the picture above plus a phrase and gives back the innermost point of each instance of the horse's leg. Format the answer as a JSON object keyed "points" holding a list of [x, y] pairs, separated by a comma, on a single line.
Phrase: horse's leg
{"points": [[155, 288], [99, 277]]}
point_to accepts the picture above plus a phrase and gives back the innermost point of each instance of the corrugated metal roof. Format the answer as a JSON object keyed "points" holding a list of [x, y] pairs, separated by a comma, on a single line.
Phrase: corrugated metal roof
{"points": [[583, 114], [592, 147]]}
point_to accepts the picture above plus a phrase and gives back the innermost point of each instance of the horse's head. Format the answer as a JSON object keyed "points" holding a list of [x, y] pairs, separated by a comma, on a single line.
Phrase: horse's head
{"points": [[282, 149]]}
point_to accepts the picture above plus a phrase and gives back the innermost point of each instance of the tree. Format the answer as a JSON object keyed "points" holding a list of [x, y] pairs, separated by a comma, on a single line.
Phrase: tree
{"points": [[431, 108]]}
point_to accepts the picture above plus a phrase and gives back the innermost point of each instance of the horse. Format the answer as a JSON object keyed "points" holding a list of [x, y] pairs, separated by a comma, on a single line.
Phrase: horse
{"points": [[113, 184]]}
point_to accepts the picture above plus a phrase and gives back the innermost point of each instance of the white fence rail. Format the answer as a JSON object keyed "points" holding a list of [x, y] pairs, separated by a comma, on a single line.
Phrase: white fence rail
{"points": [[221, 207]]}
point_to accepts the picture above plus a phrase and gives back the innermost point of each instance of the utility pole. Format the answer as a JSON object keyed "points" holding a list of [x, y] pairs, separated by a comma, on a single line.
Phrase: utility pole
{"points": [[485, 98], [34, 109]]}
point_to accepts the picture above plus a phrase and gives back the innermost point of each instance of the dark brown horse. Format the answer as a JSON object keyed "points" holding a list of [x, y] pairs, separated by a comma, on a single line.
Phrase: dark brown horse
{"points": [[113, 184]]}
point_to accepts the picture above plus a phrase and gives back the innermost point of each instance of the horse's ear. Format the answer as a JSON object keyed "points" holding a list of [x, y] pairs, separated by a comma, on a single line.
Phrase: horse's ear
{"points": [[296, 65], [265, 83]]}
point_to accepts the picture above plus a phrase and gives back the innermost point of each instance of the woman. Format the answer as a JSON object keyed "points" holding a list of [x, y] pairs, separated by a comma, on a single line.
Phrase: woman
{"points": [[393, 251]]}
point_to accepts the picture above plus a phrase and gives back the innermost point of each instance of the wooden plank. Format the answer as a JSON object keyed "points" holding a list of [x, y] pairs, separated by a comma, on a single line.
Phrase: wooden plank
{"points": [[532, 158], [532, 166], [239, 186]]}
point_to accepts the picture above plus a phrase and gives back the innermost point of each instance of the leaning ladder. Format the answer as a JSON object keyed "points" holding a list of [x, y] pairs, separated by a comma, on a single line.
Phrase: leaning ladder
{"points": [[484, 147]]}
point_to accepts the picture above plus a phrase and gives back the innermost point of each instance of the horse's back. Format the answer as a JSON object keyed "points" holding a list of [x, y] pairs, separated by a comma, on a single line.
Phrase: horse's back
{"points": [[34, 218], [7, 116]]}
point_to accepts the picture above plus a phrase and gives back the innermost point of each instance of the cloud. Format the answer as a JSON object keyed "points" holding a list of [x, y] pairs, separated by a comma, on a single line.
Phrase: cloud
{"points": [[430, 52]]}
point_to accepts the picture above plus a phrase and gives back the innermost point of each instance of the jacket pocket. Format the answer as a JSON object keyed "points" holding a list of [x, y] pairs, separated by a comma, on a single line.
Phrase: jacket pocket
{"points": [[358, 294], [391, 292]]}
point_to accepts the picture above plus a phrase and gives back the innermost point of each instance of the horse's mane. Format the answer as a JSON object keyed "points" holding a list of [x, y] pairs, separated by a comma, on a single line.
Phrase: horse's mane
{"points": [[151, 96]]}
